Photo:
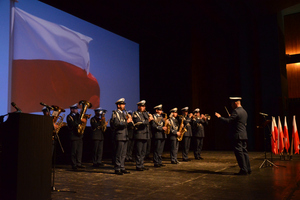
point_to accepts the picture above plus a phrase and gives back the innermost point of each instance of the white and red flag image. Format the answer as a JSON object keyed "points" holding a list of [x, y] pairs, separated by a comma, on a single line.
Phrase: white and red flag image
{"points": [[295, 136], [280, 137], [51, 64], [286, 136], [274, 137]]}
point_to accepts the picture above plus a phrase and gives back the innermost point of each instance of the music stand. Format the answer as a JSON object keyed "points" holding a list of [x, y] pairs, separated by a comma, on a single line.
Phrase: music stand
{"points": [[266, 161]]}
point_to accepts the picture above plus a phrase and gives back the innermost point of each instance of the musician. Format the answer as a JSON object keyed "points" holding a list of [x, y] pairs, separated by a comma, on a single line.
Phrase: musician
{"points": [[73, 120], [119, 123], [198, 123], [158, 129], [186, 141], [141, 120], [238, 122], [130, 145], [98, 125], [174, 133]]}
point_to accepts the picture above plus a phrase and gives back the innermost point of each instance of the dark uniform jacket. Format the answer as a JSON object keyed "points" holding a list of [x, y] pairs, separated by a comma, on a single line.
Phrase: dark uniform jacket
{"points": [[73, 120], [97, 132], [119, 125], [198, 127], [157, 127], [174, 128], [142, 128], [187, 124], [238, 123]]}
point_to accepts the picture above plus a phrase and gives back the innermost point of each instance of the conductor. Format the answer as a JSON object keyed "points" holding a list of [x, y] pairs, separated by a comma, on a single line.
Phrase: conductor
{"points": [[238, 122]]}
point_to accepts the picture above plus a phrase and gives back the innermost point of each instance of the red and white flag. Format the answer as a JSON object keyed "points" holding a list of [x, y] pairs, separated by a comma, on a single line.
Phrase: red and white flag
{"points": [[274, 137], [50, 64], [286, 136], [280, 137], [295, 136]]}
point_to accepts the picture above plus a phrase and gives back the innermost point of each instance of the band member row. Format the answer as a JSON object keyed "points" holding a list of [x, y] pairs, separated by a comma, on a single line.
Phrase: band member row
{"points": [[141, 120], [186, 141], [198, 132], [174, 133], [158, 129], [119, 123], [98, 125], [73, 120], [131, 142]]}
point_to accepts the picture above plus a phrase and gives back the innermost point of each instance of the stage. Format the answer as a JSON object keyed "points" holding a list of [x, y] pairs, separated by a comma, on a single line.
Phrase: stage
{"points": [[211, 178]]}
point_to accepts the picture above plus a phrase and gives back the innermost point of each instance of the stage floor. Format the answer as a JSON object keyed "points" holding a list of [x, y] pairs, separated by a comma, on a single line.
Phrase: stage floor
{"points": [[211, 178]]}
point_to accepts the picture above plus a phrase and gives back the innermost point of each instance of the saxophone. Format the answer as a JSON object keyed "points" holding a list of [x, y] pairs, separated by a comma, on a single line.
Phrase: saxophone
{"points": [[182, 129], [85, 106], [167, 124]]}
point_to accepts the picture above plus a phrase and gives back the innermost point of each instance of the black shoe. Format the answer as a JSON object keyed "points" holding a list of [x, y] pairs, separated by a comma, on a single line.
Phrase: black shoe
{"points": [[125, 171], [139, 169], [174, 162], [157, 165], [118, 172], [201, 158], [197, 158], [145, 168], [162, 165], [249, 172], [95, 165], [74, 167], [241, 173], [185, 160], [100, 164], [81, 166]]}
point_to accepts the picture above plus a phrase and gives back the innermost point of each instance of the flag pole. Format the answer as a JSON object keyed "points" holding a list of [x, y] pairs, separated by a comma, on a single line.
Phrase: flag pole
{"points": [[11, 52]]}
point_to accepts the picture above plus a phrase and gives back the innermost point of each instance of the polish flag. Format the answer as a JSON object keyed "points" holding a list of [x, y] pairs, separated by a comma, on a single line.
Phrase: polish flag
{"points": [[274, 137], [295, 136], [280, 137], [286, 136], [50, 64]]}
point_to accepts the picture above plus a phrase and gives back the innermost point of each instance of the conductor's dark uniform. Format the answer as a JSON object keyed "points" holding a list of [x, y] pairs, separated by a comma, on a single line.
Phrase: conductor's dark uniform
{"points": [[238, 123]]}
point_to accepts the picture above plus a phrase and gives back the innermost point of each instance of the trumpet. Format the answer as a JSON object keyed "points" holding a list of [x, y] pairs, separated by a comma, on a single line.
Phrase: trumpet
{"points": [[207, 116]]}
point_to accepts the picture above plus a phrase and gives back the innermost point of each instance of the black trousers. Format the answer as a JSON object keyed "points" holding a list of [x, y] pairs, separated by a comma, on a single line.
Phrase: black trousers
{"points": [[174, 150], [186, 143], [241, 154], [76, 152], [121, 149], [198, 146], [97, 151], [159, 145], [141, 148]]}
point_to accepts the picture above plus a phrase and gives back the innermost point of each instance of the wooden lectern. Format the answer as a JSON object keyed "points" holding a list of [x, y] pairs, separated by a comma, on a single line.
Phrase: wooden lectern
{"points": [[26, 157]]}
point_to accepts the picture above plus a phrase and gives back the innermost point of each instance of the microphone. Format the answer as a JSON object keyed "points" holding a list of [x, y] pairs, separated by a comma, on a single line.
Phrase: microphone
{"points": [[263, 114], [15, 106], [50, 107]]}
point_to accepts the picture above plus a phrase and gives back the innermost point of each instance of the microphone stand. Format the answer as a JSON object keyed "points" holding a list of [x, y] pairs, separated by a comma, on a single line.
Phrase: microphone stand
{"points": [[53, 188], [266, 161]]}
